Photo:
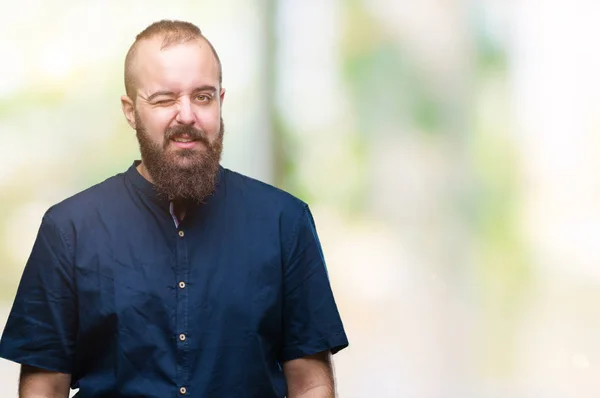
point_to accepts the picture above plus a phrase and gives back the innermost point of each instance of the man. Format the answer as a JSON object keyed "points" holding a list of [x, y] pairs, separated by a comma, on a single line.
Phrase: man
{"points": [[177, 277]]}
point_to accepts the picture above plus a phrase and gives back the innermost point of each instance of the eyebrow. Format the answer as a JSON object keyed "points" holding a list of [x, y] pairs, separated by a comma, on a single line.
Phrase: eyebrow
{"points": [[206, 87], [158, 94]]}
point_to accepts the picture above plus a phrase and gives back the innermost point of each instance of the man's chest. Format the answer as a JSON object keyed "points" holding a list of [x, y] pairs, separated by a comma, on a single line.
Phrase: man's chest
{"points": [[187, 288]]}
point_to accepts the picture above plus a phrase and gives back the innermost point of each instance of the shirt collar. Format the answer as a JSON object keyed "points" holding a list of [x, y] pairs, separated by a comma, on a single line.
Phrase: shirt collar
{"points": [[147, 188]]}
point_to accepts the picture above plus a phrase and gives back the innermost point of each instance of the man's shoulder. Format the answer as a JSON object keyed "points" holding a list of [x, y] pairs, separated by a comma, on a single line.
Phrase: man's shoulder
{"points": [[256, 193], [87, 201]]}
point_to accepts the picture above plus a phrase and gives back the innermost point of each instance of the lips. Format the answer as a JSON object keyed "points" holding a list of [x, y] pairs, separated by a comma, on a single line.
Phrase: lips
{"points": [[184, 142], [182, 139]]}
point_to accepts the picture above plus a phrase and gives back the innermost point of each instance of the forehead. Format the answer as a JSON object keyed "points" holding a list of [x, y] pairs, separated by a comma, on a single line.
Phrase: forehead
{"points": [[179, 67]]}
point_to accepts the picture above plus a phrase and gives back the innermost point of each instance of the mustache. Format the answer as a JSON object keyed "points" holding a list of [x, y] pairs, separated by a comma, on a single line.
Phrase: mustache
{"points": [[189, 131]]}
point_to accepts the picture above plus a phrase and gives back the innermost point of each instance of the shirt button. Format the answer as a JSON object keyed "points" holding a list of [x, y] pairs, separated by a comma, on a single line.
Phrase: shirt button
{"points": [[183, 390], [182, 285], [181, 234], [182, 337]]}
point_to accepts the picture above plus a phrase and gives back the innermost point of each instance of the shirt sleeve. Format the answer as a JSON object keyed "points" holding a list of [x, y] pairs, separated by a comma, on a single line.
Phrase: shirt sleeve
{"points": [[41, 327], [311, 321]]}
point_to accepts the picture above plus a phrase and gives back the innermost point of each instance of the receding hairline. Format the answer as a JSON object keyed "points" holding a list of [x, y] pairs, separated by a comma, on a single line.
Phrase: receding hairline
{"points": [[172, 33]]}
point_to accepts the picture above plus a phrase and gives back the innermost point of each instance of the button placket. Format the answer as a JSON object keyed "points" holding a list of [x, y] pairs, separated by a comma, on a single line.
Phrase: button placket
{"points": [[182, 313]]}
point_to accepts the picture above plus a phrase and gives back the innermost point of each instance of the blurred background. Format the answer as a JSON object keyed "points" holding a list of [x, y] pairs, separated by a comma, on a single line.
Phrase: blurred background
{"points": [[449, 150]]}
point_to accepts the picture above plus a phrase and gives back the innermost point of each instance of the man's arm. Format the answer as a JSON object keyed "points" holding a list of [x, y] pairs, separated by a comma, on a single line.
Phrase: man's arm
{"points": [[40, 383], [41, 329], [310, 377]]}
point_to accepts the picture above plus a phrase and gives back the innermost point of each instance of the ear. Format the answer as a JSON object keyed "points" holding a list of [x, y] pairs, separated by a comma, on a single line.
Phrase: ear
{"points": [[128, 110], [222, 95]]}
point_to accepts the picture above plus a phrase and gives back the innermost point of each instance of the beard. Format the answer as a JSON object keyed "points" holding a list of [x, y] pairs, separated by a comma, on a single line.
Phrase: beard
{"points": [[187, 175]]}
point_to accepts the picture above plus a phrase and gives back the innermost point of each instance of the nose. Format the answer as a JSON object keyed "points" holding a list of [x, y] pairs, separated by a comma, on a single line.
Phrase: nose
{"points": [[185, 114]]}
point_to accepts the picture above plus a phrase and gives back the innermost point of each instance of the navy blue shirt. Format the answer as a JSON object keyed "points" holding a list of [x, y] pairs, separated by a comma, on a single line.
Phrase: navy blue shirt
{"points": [[134, 303]]}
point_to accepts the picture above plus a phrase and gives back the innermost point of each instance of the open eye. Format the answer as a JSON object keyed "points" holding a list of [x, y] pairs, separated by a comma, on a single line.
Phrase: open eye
{"points": [[203, 98]]}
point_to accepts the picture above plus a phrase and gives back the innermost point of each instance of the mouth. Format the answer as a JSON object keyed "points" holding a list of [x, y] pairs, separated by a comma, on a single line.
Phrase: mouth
{"points": [[184, 142]]}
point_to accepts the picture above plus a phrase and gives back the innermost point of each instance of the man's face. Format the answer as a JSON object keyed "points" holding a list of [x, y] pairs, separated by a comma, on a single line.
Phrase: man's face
{"points": [[177, 116]]}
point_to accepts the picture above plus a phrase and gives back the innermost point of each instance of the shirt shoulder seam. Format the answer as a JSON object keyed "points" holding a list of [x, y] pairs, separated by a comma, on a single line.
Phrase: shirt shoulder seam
{"points": [[62, 236], [295, 233]]}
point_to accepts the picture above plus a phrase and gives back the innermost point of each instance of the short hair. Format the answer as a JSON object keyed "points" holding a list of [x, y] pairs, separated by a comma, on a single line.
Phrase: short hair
{"points": [[172, 32]]}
